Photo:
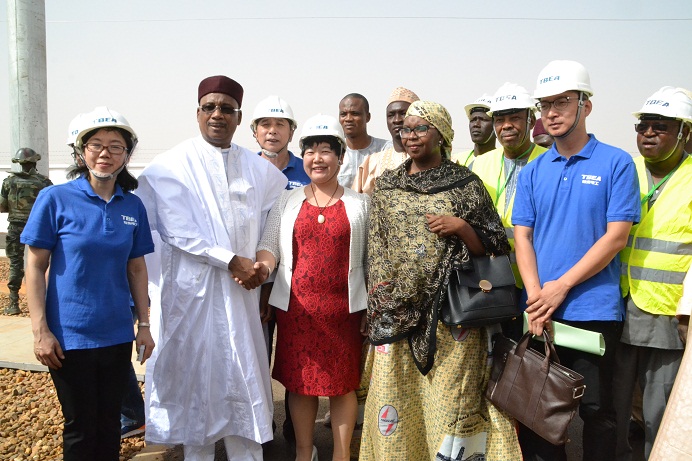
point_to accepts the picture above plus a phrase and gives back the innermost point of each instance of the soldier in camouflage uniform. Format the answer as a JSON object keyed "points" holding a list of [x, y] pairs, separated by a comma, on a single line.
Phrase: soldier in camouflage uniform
{"points": [[19, 192]]}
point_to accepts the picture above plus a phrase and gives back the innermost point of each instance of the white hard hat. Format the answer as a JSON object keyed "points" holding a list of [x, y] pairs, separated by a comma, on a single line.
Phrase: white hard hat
{"points": [[272, 107], [560, 76], [100, 117], [484, 101], [73, 129], [322, 125], [687, 92], [668, 102], [511, 96]]}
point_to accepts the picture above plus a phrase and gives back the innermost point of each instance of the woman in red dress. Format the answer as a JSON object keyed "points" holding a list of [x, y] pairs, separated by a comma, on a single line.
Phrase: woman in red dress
{"points": [[317, 236]]}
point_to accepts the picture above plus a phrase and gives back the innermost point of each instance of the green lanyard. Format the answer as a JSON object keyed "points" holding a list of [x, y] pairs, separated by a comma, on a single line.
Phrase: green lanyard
{"points": [[656, 186], [500, 190], [469, 156]]}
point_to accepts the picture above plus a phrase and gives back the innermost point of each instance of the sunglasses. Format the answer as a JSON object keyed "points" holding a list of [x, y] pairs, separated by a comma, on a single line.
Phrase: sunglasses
{"points": [[226, 110], [658, 128]]}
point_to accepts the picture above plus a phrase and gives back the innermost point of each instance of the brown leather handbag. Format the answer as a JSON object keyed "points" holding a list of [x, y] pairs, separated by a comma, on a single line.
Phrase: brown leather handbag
{"points": [[534, 388]]}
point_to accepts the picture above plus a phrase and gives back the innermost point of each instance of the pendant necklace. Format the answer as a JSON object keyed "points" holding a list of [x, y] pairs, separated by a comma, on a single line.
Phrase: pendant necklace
{"points": [[320, 217]]}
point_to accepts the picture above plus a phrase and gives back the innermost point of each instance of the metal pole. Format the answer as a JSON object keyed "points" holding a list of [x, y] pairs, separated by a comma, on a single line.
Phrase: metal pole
{"points": [[27, 78]]}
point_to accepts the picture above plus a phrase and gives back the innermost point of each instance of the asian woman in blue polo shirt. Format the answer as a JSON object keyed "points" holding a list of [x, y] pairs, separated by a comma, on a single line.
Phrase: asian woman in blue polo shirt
{"points": [[91, 235]]}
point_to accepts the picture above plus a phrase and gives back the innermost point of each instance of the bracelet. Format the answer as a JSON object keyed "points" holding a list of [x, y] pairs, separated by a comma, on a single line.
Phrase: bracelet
{"points": [[143, 325]]}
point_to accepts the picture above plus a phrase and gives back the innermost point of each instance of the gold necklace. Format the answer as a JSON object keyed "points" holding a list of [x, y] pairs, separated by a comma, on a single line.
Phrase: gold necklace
{"points": [[320, 217]]}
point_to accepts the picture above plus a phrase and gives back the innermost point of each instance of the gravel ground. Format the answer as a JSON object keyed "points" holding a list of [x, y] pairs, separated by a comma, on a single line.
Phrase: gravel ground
{"points": [[31, 421], [30, 417]]}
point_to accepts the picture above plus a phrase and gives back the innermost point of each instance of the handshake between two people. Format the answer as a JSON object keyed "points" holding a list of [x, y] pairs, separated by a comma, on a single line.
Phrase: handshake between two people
{"points": [[248, 273]]}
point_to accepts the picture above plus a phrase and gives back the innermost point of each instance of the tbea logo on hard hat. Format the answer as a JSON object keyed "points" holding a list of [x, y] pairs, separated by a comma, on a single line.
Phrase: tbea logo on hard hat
{"points": [[100, 117], [656, 102], [668, 102], [560, 76], [481, 104], [322, 125], [272, 107], [106, 120], [552, 78], [511, 97]]}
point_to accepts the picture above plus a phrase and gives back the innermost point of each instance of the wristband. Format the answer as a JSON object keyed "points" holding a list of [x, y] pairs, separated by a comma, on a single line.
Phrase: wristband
{"points": [[143, 325]]}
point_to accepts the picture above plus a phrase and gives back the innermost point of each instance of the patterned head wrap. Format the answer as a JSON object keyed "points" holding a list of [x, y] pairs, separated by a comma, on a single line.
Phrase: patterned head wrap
{"points": [[402, 94], [436, 115]]}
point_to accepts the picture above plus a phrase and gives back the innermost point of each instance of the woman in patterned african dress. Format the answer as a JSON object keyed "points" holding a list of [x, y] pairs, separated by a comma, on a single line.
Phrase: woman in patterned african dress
{"points": [[426, 397]]}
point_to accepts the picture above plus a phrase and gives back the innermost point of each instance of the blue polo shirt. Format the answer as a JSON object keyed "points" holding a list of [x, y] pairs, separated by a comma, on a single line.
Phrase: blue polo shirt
{"points": [[294, 172], [569, 204], [91, 241]]}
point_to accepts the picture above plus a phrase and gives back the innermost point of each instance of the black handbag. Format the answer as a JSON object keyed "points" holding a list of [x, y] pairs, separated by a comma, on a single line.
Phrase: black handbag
{"points": [[483, 296]]}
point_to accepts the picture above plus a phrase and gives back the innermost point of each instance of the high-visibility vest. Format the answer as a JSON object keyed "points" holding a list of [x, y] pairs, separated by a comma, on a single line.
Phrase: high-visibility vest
{"points": [[488, 167], [659, 248], [463, 158]]}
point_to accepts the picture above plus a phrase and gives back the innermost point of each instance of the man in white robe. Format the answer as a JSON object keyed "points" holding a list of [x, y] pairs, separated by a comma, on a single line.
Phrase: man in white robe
{"points": [[208, 198]]}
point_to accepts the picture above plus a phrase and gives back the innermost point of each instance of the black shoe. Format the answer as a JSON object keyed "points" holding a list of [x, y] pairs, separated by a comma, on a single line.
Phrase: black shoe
{"points": [[636, 431], [289, 433]]}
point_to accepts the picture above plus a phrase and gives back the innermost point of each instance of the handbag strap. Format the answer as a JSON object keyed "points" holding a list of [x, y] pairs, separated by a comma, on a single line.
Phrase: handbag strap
{"points": [[550, 346], [538, 380], [550, 352]]}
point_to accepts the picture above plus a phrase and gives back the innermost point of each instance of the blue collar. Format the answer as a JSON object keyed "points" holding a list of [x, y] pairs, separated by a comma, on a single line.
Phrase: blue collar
{"points": [[82, 183], [585, 152], [293, 161]]}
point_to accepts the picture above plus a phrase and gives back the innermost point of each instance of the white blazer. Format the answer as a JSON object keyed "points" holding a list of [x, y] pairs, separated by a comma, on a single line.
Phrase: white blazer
{"points": [[278, 240]]}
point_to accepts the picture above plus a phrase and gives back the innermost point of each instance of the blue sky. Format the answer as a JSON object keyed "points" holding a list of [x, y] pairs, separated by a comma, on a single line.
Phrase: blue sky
{"points": [[146, 58]]}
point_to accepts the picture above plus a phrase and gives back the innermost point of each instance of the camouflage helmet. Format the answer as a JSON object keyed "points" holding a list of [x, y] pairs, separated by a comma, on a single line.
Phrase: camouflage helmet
{"points": [[26, 155]]}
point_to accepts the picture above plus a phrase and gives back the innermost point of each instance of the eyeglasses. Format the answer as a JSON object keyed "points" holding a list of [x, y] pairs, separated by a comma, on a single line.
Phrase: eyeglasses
{"points": [[559, 104], [226, 110], [96, 148], [419, 130], [658, 128]]}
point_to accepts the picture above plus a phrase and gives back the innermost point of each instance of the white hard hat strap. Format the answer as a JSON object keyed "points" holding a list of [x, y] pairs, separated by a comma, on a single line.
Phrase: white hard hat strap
{"points": [[576, 119], [102, 176]]}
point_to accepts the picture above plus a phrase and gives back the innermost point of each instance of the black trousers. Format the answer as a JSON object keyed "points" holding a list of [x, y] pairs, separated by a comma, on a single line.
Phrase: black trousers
{"points": [[90, 386], [596, 409]]}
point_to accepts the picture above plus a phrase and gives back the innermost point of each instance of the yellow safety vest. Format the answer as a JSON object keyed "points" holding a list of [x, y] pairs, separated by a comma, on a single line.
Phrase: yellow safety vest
{"points": [[659, 248], [488, 167], [463, 158]]}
